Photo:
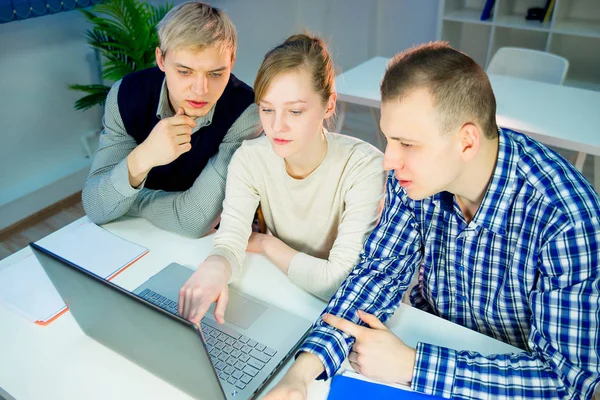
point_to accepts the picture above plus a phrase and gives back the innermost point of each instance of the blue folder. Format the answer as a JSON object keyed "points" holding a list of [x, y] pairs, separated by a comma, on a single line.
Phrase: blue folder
{"points": [[344, 388]]}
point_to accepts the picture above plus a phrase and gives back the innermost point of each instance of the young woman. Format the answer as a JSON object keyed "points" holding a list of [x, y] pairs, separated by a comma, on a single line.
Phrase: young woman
{"points": [[319, 192]]}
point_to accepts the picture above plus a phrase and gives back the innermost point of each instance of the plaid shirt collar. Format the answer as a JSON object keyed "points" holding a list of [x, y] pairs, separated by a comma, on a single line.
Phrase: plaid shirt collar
{"points": [[491, 214]]}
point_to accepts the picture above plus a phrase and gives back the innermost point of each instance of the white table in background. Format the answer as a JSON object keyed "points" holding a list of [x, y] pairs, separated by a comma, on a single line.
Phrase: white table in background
{"points": [[556, 115], [60, 362]]}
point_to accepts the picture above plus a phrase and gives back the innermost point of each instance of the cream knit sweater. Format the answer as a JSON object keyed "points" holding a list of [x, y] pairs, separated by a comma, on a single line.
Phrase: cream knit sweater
{"points": [[325, 217]]}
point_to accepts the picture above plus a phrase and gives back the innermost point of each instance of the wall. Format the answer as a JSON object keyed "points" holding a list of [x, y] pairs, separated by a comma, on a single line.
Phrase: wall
{"points": [[39, 137], [41, 156], [355, 30]]}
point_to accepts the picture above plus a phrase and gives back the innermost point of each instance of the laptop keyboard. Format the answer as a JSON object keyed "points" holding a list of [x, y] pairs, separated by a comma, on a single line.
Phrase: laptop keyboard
{"points": [[159, 300], [237, 358]]}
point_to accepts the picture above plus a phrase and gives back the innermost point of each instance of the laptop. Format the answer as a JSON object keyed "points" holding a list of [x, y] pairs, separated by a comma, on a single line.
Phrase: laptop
{"points": [[230, 361]]}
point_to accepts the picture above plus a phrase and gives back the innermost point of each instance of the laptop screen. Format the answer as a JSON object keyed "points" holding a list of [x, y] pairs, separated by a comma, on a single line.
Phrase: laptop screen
{"points": [[163, 344]]}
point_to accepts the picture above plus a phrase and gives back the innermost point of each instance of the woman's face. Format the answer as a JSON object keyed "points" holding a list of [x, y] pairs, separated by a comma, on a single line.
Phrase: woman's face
{"points": [[292, 113]]}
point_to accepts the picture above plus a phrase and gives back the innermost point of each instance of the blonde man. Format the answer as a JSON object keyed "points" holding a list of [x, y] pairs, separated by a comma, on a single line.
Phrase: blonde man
{"points": [[170, 131]]}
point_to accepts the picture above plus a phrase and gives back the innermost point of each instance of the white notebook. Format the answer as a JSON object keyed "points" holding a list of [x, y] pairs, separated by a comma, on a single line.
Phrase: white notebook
{"points": [[25, 287]]}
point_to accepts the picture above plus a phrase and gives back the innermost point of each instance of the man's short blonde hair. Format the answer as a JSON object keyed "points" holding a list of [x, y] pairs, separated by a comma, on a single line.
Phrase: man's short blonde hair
{"points": [[195, 25]]}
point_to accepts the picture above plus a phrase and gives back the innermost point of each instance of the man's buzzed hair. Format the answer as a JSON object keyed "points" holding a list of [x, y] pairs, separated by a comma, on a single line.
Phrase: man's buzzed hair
{"points": [[460, 88]]}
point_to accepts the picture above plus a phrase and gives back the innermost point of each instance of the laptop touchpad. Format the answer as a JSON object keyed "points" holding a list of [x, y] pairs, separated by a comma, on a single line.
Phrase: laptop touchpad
{"points": [[241, 311]]}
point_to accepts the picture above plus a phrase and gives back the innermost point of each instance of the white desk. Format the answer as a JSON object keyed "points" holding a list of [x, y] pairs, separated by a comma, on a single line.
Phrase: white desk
{"points": [[556, 115], [60, 362]]}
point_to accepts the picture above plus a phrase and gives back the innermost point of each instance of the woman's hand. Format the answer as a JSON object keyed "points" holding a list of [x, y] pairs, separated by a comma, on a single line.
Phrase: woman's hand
{"points": [[207, 285], [278, 252], [256, 243]]}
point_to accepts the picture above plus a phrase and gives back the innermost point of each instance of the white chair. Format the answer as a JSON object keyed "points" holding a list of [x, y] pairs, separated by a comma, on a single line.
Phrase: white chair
{"points": [[543, 67], [530, 64]]}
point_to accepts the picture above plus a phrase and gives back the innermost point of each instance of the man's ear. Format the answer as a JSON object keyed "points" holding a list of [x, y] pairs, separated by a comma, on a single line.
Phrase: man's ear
{"points": [[160, 60], [330, 105], [232, 61], [469, 140]]}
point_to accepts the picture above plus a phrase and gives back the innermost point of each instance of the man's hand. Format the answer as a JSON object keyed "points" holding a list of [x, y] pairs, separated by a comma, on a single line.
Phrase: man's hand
{"points": [[207, 285], [169, 139], [377, 353], [288, 388], [294, 385]]}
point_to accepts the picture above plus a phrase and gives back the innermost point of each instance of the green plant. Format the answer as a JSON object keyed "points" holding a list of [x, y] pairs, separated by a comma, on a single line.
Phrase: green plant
{"points": [[124, 32]]}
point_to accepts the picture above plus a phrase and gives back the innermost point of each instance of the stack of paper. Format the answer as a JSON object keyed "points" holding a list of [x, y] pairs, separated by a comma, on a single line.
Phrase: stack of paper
{"points": [[25, 287]]}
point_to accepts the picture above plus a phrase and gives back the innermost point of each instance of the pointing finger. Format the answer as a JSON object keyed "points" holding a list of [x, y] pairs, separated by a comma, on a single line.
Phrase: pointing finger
{"points": [[371, 320], [198, 311], [343, 325], [221, 304]]}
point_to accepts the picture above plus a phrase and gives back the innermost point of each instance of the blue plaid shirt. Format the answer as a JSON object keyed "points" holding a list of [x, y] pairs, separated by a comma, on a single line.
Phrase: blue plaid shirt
{"points": [[524, 270]]}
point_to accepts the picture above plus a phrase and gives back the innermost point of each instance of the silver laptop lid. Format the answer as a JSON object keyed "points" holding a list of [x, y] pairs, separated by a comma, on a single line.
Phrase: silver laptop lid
{"points": [[163, 344]]}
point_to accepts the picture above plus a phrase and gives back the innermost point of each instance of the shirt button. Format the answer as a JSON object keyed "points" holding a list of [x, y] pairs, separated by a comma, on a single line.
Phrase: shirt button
{"points": [[461, 269]]}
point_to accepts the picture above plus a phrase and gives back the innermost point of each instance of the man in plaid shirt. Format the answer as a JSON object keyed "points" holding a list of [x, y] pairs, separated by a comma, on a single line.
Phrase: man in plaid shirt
{"points": [[504, 233]]}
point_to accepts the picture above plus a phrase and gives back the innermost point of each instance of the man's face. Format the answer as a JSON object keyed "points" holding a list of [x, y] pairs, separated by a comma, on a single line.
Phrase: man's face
{"points": [[426, 161], [196, 79]]}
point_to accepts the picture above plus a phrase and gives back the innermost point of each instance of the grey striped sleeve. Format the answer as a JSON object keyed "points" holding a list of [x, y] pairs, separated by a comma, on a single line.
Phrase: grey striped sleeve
{"points": [[107, 194]]}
